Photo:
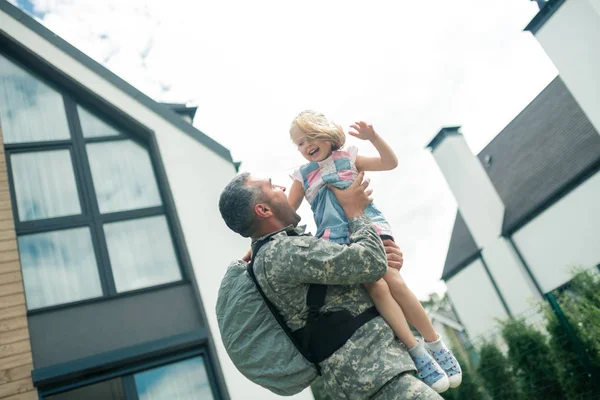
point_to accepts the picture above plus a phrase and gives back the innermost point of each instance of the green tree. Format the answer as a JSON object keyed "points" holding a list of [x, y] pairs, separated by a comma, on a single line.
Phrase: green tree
{"points": [[531, 361], [580, 304], [496, 374], [573, 377]]}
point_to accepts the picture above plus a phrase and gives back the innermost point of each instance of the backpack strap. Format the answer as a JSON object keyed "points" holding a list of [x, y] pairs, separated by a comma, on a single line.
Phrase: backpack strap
{"points": [[302, 349], [315, 299]]}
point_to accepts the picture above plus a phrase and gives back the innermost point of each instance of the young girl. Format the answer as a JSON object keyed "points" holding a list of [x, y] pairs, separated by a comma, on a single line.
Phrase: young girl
{"points": [[320, 142]]}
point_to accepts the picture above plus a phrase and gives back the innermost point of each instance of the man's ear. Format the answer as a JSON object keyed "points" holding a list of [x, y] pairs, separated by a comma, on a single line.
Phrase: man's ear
{"points": [[263, 210]]}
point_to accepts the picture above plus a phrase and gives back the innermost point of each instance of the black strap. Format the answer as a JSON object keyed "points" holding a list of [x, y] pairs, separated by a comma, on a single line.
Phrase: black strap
{"points": [[316, 296], [315, 299], [331, 331]]}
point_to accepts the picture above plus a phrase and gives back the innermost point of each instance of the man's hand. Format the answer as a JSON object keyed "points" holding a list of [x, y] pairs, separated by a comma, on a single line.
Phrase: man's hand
{"points": [[248, 256], [355, 198], [394, 254]]}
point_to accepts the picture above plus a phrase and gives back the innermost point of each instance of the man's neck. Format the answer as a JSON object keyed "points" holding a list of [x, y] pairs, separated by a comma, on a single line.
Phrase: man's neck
{"points": [[268, 228]]}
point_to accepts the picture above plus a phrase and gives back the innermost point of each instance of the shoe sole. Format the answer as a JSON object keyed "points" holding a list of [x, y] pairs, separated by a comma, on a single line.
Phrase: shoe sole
{"points": [[442, 385], [455, 380]]}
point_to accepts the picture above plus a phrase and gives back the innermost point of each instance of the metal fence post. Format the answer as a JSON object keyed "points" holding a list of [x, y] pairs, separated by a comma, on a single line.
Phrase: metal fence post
{"points": [[582, 356]]}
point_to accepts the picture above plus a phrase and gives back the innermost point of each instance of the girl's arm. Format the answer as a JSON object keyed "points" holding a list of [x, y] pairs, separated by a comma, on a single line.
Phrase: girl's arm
{"points": [[386, 161], [296, 194]]}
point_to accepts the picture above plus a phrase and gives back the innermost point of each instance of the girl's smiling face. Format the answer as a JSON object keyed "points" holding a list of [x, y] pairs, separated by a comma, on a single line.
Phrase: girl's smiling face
{"points": [[312, 150]]}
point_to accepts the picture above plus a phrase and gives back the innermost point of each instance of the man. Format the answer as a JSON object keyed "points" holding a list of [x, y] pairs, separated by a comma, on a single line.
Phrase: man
{"points": [[372, 363]]}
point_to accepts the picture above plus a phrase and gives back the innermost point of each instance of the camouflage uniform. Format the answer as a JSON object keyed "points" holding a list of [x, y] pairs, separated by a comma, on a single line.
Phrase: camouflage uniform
{"points": [[373, 363]]}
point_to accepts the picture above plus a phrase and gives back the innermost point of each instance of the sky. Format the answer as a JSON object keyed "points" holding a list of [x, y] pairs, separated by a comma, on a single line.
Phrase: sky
{"points": [[407, 67]]}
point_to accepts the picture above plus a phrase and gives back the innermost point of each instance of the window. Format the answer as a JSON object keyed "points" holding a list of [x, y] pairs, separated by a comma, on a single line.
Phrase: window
{"points": [[59, 267], [187, 379], [89, 215], [44, 184], [107, 390], [31, 111], [141, 252], [123, 177]]}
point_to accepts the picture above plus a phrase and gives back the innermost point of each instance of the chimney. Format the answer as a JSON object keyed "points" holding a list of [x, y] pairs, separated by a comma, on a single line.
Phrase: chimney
{"points": [[478, 201]]}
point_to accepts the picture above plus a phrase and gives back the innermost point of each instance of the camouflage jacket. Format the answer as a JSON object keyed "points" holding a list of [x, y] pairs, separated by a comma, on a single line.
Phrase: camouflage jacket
{"points": [[287, 265]]}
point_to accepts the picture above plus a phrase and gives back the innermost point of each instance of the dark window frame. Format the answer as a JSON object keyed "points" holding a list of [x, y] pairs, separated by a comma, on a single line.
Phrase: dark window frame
{"points": [[126, 374], [90, 215]]}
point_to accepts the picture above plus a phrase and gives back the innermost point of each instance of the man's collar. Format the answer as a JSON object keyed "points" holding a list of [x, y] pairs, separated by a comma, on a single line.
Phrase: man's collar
{"points": [[289, 230]]}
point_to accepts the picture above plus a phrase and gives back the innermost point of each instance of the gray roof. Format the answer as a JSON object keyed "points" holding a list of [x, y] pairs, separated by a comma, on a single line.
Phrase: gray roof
{"points": [[540, 154], [182, 109], [158, 108], [547, 9], [462, 249], [544, 153]]}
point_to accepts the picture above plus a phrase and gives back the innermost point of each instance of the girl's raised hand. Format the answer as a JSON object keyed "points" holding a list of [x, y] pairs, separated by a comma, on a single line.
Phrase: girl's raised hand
{"points": [[362, 130]]}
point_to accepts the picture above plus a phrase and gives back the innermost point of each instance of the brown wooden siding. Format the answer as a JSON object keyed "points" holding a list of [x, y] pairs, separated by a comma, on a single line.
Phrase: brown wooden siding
{"points": [[15, 349]]}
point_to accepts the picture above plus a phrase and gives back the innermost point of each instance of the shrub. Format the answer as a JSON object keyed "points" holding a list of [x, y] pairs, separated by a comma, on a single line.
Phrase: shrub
{"points": [[496, 374], [531, 361], [580, 304]]}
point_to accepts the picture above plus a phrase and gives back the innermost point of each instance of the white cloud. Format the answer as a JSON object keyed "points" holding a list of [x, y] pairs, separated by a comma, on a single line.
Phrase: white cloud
{"points": [[408, 67]]}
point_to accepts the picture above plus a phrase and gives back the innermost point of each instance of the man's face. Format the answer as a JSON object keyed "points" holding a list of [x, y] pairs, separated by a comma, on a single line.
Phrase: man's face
{"points": [[274, 197]]}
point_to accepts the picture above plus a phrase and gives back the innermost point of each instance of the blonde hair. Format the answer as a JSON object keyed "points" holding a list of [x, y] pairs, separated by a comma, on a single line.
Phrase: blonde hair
{"points": [[317, 127]]}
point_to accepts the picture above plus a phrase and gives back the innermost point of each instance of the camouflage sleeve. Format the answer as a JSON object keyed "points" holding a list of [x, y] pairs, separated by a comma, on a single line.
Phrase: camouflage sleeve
{"points": [[306, 259]]}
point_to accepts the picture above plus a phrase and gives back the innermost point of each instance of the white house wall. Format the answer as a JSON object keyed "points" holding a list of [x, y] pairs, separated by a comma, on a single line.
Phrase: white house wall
{"points": [[596, 5], [196, 176], [564, 236], [475, 300], [516, 287], [571, 38]]}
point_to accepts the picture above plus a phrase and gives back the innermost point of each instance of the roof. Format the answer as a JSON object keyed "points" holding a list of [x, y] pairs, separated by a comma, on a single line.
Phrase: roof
{"points": [[541, 153], [182, 109], [462, 249], [544, 153], [160, 109], [441, 135], [543, 15]]}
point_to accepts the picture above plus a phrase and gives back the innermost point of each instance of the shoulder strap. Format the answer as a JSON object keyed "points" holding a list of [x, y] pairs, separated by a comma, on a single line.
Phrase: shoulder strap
{"points": [[315, 299], [316, 296], [274, 310]]}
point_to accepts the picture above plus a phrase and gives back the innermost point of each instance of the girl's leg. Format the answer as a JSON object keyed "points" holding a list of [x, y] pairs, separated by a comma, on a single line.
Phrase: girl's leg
{"points": [[427, 368], [415, 313], [391, 311], [411, 306]]}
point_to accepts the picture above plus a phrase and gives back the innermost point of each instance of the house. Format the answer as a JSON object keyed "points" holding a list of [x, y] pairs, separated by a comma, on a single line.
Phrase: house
{"points": [[111, 245], [528, 206]]}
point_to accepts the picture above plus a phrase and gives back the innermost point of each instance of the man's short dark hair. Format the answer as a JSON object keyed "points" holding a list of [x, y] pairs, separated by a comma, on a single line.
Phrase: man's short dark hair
{"points": [[237, 205]]}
